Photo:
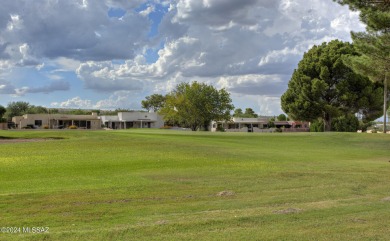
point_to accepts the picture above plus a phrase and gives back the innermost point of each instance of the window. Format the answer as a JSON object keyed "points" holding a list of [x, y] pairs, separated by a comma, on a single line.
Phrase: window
{"points": [[38, 123]]}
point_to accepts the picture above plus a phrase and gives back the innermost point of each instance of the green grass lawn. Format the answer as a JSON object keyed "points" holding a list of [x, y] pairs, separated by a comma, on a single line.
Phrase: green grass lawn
{"points": [[167, 185]]}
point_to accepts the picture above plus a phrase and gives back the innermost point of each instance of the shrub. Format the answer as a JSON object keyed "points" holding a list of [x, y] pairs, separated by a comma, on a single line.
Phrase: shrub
{"points": [[72, 127], [364, 126], [279, 130], [317, 126], [220, 128], [45, 127], [348, 123], [166, 127], [271, 124]]}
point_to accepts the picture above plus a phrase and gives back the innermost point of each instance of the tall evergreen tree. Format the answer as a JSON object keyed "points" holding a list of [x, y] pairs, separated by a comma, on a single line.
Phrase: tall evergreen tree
{"points": [[374, 45], [324, 87], [374, 61]]}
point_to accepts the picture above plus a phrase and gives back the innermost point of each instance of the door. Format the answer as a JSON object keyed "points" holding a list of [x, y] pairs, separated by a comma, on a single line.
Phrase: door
{"points": [[250, 127]]}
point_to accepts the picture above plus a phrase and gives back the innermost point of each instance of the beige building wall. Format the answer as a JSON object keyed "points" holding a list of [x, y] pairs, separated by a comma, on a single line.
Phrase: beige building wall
{"points": [[56, 121], [136, 119], [3, 126]]}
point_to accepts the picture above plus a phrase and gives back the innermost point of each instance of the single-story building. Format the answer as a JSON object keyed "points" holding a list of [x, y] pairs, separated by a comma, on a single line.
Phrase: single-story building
{"points": [[261, 124], [238, 124], [57, 121], [293, 126], [136, 119]]}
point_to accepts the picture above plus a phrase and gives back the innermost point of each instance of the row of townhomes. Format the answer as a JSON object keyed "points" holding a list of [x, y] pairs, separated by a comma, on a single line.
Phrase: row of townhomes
{"points": [[139, 119], [261, 124], [56, 121], [123, 120]]}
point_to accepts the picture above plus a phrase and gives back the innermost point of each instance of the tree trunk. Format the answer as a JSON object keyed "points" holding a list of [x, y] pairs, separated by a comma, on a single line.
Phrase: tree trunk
{"points": [[385, 104], [327, 122]]}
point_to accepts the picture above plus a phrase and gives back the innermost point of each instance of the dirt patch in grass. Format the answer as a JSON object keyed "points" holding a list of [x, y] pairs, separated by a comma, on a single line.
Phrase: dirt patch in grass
{"points": [[288, 211], [4, 140], [225, 194], [359, 220], [162, 222], [386, 199]]}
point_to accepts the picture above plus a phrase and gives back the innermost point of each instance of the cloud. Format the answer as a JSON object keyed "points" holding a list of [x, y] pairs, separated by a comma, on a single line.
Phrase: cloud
{"points": [[67, 64], [26, 58], [122, 99], [269, 105], [76, 30], [15, 23], [6, 88], [52, 87], [124, 4], [75, 102], [103, 76], [253, 84], [119, 99], [220, 12], [147, 11]]}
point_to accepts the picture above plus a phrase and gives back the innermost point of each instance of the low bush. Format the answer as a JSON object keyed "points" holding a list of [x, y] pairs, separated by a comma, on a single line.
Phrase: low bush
{"points": [[220, 128], [279, 130], [166, 127], [317, 126], [72, 127], [347, 123]]}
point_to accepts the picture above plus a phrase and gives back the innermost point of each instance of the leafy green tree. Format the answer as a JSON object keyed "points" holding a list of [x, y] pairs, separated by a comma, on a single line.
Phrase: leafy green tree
{"points": [[238, 113], [282, 117], [37, 110], [153, 102], [271, 123], [17, 109], [117, 110], [196, 105], [2, 112], [53, 111], [80, 112], [324, 87], [249, 113]]}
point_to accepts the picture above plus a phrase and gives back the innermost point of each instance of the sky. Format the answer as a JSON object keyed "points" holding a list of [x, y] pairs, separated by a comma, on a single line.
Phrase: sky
{"points": [[109, 54]]}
